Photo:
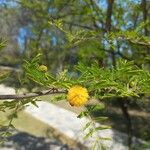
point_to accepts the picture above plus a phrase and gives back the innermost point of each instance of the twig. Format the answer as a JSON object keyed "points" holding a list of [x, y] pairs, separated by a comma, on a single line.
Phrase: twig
{"points": [[30, 95], [8, 68]]}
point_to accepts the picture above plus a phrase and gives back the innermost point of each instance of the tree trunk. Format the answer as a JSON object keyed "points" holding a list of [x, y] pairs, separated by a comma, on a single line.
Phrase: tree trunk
{"points": [[108, 26], [109, 14], [144, 9], [124, 108]]}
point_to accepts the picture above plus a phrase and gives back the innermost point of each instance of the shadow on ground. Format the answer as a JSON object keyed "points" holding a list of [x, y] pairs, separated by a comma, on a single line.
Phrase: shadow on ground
{"points": [[25, 141]]}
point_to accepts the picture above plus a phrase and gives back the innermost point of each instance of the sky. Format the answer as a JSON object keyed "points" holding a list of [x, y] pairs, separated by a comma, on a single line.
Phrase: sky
{"points": [[10, 3]]}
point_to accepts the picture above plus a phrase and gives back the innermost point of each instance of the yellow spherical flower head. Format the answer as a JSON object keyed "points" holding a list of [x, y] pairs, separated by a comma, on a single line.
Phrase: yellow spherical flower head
{"points": [[77, 95], [42, 68]]}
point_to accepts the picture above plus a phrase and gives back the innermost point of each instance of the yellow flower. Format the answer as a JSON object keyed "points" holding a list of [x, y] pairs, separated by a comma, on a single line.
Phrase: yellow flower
{"points": [[43, 68], [77, 95]]}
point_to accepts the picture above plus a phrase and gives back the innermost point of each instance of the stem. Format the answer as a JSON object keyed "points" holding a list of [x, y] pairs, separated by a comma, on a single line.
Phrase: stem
{"points": [[30, 95]]}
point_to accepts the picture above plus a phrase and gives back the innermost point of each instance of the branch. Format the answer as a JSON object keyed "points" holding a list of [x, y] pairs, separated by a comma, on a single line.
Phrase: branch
{"points": [[8, 68], [78, 25], [138, 42], [30, 95], [133, 41]]}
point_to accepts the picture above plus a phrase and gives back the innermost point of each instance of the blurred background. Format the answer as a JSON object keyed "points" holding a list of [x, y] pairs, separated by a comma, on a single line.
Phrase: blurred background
{"points": [[26, 27]]}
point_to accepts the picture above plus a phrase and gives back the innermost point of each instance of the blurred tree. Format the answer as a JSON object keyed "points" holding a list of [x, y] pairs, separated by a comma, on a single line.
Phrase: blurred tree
{"points": [[9, 26]]}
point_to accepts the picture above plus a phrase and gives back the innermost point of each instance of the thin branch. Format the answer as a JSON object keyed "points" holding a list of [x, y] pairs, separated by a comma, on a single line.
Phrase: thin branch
{"points": [[78, 25], [30, 95], [134, 41], [7, 68], [138, 42]]}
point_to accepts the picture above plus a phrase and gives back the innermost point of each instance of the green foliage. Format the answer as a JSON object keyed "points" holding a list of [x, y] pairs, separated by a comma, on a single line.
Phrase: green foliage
{"points": [[76, 37], [2, 44], [3, 75], [57, 98], [35, 74], [115, 82], [92, 129], [126, 80], [13, 107]]}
